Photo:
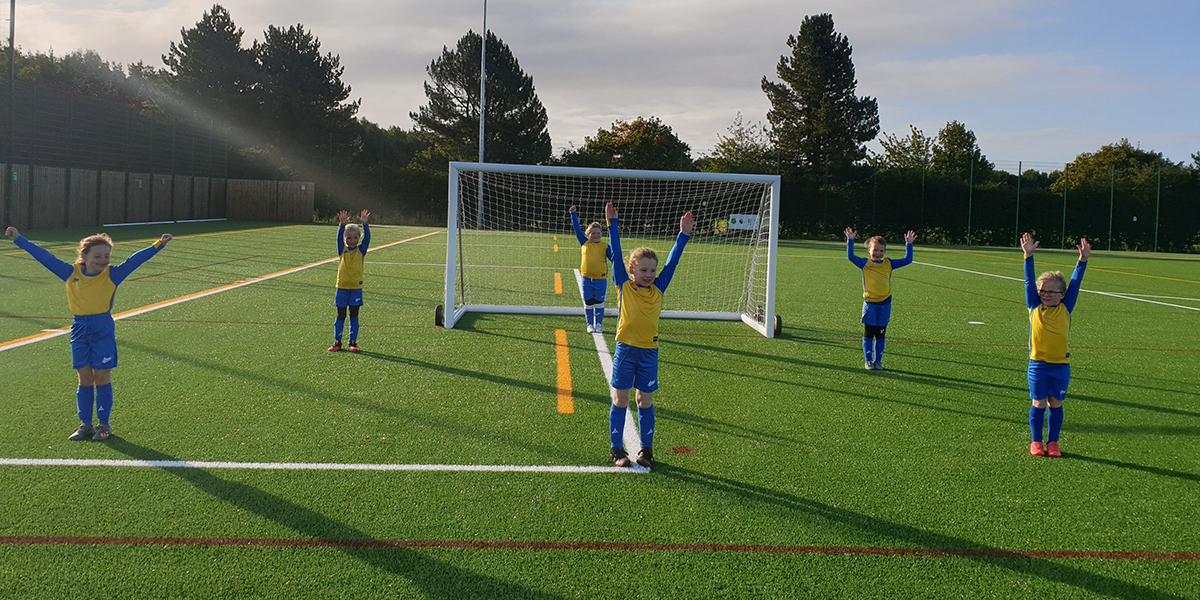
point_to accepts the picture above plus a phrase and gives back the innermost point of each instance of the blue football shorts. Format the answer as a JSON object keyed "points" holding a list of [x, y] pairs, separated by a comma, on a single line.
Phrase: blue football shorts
{"points": [[347, 298], [594, 290], [877, 314], [636, 368], [93, 342], [1048, 380]]}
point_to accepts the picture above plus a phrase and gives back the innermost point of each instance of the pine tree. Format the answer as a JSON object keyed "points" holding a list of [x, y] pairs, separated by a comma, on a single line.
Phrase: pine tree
{"points": [[818, 124], [515, 121]]}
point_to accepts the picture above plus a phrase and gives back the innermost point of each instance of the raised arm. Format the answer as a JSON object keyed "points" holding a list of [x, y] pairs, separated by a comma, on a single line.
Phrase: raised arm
{"points": [[60, 269], [579, 235], [139, 258], [1032, 300], [343, 218], [1085, 251], [366, 238], [668, 270], [908, 251], [858, 262], [620, 272]]}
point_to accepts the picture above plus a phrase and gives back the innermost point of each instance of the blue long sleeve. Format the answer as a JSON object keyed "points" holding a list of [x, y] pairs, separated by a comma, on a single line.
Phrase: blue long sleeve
{"points": [[907, 260], [858, 262], [52, 263], [620, 275], [1074, 286], [1032, 300], [125, 269], [341, 241], [366, 239], [579, 235], [668, 270]]}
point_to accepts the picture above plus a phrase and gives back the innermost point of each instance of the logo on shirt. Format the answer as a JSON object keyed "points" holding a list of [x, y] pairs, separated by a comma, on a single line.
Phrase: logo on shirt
{"points": [[75, 280]]}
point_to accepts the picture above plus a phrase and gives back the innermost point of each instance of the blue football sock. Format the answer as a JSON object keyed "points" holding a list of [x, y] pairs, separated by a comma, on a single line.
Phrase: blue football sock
{"points": [[354, 329], [868, 349], [1056, 419], [616, 425], [599, 314], [879, 343], [646, 425], [1037, 417], [590, 314], [338, 326], [85, 396], [104, 403]]}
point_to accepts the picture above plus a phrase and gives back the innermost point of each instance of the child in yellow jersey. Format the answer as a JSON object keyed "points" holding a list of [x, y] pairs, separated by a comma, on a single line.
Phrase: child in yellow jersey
{"points": [[91, 289], [1050, 300], [877, 291], [635, 362], [352, 242], [593, 270]]}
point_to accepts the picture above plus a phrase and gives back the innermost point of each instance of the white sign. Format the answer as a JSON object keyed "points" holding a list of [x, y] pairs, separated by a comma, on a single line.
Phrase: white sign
{"points": [[743, 221]]}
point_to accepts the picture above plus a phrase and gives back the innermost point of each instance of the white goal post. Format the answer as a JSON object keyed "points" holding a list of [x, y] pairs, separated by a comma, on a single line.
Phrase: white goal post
{"points": [[511, 247]]}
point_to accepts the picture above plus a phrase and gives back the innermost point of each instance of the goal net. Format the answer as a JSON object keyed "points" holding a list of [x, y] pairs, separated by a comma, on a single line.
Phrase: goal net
{"points": [[511, 247]]}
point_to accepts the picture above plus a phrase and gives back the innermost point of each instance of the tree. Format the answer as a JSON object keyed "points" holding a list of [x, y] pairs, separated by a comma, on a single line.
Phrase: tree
{"points": [[1121, 161], [914, 151], [643, 144], [747, 149], [818, 124], [211, 70], [957, 152], [303, 96], [515, 120]]}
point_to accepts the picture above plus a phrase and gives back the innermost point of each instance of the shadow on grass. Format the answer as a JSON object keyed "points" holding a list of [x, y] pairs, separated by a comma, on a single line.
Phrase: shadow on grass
{"points": [[1184, 475], [913, 536], [456, 427], [437, 579]]}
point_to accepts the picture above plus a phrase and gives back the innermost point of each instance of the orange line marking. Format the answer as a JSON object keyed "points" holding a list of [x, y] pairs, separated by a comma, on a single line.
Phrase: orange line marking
{"points": [[558, 283], [556, 247], [566, 405]]}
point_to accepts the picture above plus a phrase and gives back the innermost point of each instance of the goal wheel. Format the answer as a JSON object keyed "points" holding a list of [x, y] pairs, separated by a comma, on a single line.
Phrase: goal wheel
{"points": [[778, 325], [439, 316]]}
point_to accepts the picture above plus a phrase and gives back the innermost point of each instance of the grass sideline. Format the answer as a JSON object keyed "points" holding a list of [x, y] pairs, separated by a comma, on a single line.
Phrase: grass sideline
{"points": [[804, 476]]}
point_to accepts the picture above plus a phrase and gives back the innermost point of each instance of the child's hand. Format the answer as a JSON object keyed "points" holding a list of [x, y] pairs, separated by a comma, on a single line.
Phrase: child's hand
{"points": [[363, 216], [686, 222], [1028, 245], [12, 233], [850, 235], [910, 236], [162, 241], [1085, 249], [343, 218], [572, 209], [610, 211]]}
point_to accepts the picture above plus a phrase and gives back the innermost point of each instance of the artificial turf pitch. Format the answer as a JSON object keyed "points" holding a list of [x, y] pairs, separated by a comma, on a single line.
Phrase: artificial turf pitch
{"points": [[784, 468]]}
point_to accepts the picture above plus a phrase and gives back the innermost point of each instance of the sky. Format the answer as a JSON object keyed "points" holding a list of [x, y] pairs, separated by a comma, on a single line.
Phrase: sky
{"points": [[1038, 81]]}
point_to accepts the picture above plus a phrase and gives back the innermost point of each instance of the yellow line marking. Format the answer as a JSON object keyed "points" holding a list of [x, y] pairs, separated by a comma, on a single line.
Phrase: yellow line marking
{"points": [[145, 309], [566, 405], [556, 247], [558, 283]]}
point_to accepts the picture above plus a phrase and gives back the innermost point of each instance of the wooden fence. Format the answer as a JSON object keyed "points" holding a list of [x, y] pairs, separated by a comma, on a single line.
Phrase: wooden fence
{"points": [[56, 197]]}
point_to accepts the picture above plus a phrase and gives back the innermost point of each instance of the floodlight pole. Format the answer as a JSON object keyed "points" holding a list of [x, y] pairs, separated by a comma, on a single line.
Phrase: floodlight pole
{"points": [[482, 103], [8, 164]]}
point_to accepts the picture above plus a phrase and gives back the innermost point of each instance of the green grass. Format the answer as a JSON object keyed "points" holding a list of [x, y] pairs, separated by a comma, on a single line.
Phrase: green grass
{"points": [[793, 443]]}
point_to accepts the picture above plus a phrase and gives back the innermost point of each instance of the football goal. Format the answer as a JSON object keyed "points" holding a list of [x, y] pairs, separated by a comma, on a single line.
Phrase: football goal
{"points": [[511, 247]]}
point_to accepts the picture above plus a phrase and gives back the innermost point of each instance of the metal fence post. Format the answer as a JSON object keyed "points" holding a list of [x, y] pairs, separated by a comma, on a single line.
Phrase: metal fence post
{"points": [[1112, 179], [970, 198], [1157, 203], [1066, 186], [1017, 219]]}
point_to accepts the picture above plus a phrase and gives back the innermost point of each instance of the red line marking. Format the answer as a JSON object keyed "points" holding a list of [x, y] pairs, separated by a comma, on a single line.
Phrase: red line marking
{"points": [[614, 546]]}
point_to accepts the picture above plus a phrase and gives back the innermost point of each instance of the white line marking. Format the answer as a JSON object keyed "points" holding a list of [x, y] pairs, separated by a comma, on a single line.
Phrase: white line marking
{"points": [[197, 464], [47, 334], [1098, 293]]}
